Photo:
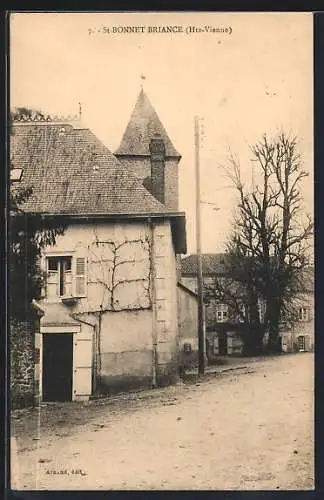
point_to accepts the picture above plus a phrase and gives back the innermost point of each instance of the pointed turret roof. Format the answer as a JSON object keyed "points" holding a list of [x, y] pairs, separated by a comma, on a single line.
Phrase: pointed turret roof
{"points": [[143, 125]]}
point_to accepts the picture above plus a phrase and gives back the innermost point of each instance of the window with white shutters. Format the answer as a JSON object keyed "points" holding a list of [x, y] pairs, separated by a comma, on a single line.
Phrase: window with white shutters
{"points": [[65, 276]]}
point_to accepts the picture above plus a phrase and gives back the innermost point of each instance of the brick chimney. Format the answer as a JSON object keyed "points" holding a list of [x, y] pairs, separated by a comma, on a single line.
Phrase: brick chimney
{"points": [[157, 157]]}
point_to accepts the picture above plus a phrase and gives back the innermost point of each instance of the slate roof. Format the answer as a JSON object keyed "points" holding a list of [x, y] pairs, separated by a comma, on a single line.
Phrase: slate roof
{"points": [[143, 125], [212, 264], [72, 172]]}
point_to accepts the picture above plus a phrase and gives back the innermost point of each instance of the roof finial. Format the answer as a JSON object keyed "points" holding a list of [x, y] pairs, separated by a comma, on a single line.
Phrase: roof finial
{"points": [[143, 77], [80, 111]]}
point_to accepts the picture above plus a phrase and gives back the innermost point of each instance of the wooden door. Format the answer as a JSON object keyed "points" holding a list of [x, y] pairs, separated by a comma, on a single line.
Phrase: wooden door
{"points": [[57, 366], [222, 344], [301, 343]]}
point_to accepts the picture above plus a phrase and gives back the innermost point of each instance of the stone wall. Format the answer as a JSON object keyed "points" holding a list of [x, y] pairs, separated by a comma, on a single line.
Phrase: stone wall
{"points": [[290, 333], [141, 168], [165, 307], [188, 327], [137, 339], [22, 364]]}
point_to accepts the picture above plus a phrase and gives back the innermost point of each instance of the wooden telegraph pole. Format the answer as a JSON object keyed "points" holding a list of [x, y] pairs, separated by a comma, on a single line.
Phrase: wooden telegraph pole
{"points": [[201, 331]]}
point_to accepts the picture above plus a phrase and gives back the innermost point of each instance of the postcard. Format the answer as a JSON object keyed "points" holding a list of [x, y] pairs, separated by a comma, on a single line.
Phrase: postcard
{"points": [[161, 251]]}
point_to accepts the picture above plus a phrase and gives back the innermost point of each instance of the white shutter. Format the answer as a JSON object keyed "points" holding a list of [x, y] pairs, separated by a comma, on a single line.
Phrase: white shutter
{"points": [[83, 367], [79, 276]]}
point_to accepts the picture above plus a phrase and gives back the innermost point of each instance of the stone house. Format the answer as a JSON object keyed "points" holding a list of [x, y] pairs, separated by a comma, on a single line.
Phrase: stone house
{"points": [[223, 324], [109, 303], [221, 337], [213, 267], [188, 326], [298, 330]]}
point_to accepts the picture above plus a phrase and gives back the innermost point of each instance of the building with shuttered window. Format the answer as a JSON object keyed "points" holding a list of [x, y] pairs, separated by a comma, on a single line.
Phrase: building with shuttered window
{"points": [[109, 300]]}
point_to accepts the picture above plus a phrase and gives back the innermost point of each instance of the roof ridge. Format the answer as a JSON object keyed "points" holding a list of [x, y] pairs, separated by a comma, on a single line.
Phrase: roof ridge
{"points": [[212, 254], [48, 119]]}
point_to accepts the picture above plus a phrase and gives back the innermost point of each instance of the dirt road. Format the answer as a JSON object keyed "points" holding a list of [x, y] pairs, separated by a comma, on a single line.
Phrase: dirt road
{"points": [[245, 429]]}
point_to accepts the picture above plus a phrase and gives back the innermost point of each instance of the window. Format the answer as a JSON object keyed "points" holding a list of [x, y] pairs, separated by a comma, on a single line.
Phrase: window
{"points": [[283, 317], [242, 314], [303, 314], [59, 277], [66, 276], [260, 310], [221, 313]]}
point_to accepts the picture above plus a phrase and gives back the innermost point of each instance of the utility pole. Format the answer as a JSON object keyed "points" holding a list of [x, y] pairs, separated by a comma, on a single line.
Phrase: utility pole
{"points": [[201, 332]]}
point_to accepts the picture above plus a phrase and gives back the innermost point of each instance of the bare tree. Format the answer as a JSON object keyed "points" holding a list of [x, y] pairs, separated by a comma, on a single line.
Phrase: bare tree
{"points": [[271, 235]]}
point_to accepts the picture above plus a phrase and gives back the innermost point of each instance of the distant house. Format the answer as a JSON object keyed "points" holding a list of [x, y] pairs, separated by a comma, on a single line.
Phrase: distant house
{"points": [[213, 268], [297, 331], [187, 325], [220, 318], [223, 324], [110, 302]]}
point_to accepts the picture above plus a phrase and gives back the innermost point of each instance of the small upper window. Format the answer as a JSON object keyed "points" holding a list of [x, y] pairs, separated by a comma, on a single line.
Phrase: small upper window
{"points": [[52, 264], [303, 314], [66, 277], [221, 313], [59, 281]]}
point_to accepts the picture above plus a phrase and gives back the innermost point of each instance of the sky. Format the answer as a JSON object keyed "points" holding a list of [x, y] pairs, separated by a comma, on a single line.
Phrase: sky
{"points": [[255, 77]]}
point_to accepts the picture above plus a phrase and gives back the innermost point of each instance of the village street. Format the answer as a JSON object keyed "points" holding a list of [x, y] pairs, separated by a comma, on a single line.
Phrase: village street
{"points": [[248, 428]]}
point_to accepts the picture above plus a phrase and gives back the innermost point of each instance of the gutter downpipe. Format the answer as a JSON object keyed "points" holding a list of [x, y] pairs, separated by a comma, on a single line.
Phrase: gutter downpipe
{"points": [[153, 288]]}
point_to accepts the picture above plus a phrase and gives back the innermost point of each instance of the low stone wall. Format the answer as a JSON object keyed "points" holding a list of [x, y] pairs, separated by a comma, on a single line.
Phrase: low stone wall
{"points": [[22, 364]]}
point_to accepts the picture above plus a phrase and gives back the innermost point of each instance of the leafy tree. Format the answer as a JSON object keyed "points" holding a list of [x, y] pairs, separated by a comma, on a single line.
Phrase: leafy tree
{"points": [[20, 112], [28, 235]]}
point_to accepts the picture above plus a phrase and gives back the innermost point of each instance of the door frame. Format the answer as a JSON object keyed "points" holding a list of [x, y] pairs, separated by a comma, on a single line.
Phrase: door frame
{"points": [[301, 339], [59, 330], [223, 341]]}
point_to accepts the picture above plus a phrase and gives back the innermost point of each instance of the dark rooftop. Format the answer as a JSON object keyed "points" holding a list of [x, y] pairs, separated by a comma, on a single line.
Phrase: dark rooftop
{"points": [[72, 172], [144, 125], [212, 264]]}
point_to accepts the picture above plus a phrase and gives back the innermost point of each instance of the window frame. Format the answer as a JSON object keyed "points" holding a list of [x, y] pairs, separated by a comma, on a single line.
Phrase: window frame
{"points": [[74, 254], [59, 257], [222, 312], [303, 313]]}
